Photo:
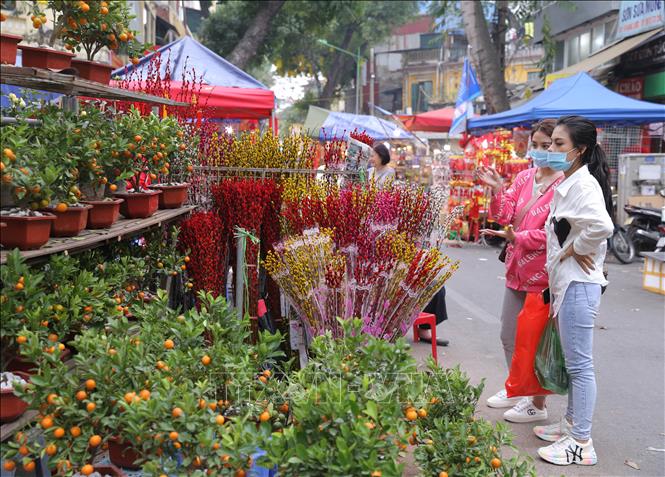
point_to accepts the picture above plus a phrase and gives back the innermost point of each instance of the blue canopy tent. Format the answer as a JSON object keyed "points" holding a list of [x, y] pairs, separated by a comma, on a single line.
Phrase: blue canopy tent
{"points": [[185, 53], [580, 95], [325, 124]]}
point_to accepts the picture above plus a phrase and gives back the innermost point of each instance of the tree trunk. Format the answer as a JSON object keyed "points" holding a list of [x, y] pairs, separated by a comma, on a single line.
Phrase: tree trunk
{"points": [[336, 72], [500, 34], [255, 35], [491, 74]]}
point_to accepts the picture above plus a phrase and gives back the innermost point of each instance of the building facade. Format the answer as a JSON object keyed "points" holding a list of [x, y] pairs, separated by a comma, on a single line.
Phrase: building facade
{"points": [[419, 67], [622, 45]]}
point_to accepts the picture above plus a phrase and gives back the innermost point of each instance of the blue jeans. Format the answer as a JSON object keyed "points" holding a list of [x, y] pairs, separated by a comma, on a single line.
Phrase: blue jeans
{"points": [[576, 321]]}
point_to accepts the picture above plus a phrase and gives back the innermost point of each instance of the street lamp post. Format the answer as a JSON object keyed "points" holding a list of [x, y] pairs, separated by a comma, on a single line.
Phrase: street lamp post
{"points": [[358, 59]]}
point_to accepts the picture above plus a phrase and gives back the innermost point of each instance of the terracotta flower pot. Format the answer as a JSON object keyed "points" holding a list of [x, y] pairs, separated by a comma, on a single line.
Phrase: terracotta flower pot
{"points": [[104, 213], [93, 71], [19, 365], [8, 47], [109, 469], [70, 222], [123, 454], [173, 196], [139, 205], [25, 233], [45, 58], [12, 407]]}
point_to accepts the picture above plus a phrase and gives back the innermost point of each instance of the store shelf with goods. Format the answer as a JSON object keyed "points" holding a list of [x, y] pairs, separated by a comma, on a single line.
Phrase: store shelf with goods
{"points": [[46, 80], [93, 238]]}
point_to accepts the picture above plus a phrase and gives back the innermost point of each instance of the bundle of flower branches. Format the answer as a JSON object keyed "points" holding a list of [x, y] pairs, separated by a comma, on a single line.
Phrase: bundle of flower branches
{"points": [[372, 259], [255, 150], [386, 285], [252, 204], [352, 210]]}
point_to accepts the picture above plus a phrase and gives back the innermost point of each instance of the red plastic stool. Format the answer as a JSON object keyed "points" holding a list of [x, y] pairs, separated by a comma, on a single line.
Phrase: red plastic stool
{"points": [[426, 319]]}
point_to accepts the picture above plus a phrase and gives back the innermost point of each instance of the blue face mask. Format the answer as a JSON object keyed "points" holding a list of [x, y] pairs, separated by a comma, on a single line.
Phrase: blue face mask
{"points": [[557, 160], [539, 157]]}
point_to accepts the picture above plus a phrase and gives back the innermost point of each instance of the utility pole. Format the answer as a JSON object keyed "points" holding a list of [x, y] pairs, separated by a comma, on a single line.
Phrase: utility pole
{"points": [[371, 82], [359, 60]]}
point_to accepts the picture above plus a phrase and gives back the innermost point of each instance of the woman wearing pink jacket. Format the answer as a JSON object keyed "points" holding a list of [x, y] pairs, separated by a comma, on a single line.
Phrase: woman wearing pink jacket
{"points": [[523, 208]]}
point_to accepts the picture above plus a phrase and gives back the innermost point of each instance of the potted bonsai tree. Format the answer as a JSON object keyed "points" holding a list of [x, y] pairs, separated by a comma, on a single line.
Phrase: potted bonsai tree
{"points": [[90, 27], [24, 188], [137, 134], [176, 147], [60, 135], [46, 56], [95, 125]]}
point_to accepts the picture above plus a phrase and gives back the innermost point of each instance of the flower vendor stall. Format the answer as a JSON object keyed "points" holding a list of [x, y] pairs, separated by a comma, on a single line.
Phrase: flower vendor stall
{"points": [[122, 352], [494, 149], [225, 91]]}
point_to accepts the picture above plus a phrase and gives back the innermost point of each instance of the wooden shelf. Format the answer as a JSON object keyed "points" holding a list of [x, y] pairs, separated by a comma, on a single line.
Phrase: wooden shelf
{"points": [[46, 80], [93, 238]]}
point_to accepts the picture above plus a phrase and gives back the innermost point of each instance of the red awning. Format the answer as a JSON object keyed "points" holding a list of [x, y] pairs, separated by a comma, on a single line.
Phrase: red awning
{"points": [[438, 120], [228, 102]]}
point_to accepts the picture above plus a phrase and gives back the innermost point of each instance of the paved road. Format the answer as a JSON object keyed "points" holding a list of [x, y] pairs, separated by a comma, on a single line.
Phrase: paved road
{"points": [[629, 359]]}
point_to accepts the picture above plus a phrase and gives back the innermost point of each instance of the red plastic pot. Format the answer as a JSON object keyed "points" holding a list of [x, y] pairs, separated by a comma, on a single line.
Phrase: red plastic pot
{"points": [[123, 454], [173, 196], [139, 205], [93, 71], [104, 213], [45, 58], [8, 48], [25, 233], [19, 365], [70, 222], [11, 406], [109, 469]]}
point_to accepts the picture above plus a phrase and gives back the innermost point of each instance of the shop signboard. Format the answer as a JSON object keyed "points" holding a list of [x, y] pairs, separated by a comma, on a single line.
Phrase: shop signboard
{"points": [[552, 77], [357, 156], [632, 87], [648, 56], [637, 16]]}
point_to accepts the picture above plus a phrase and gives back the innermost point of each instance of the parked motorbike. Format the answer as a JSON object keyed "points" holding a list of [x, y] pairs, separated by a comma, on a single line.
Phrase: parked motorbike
{"points": [[642, 231]]}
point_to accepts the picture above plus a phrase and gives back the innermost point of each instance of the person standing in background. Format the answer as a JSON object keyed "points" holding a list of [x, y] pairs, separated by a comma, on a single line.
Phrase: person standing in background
{"points": [[381, 174]]}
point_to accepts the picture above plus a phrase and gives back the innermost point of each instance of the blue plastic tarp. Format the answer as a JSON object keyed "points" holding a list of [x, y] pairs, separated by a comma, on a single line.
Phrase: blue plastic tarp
{"points": [[186, 54], [580, 95], [341, 124]]}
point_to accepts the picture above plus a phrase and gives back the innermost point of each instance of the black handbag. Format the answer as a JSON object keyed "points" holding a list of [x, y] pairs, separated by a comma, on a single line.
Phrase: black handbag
{"points": [[502, 255]]}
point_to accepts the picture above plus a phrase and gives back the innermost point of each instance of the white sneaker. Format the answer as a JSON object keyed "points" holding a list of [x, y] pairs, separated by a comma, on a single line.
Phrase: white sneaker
{"points": [[568, 451], [553, 432], [525, 411], [501, 400]]}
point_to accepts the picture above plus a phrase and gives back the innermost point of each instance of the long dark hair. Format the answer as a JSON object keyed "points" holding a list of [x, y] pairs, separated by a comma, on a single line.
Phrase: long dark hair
{"points": [[383, 152], [583, 135]]}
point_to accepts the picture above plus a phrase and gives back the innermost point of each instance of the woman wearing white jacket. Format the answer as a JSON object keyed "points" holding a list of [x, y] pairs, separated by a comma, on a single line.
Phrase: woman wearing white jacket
{"points": [[577, 230]]}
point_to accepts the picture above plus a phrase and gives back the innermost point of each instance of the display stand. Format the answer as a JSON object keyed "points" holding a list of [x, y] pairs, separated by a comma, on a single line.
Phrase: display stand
{"points": [[88, 239], [71, 86]]}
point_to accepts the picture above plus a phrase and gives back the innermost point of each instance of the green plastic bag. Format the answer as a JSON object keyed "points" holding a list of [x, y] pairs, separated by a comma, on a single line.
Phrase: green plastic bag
{"points": [[550, 364]]}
